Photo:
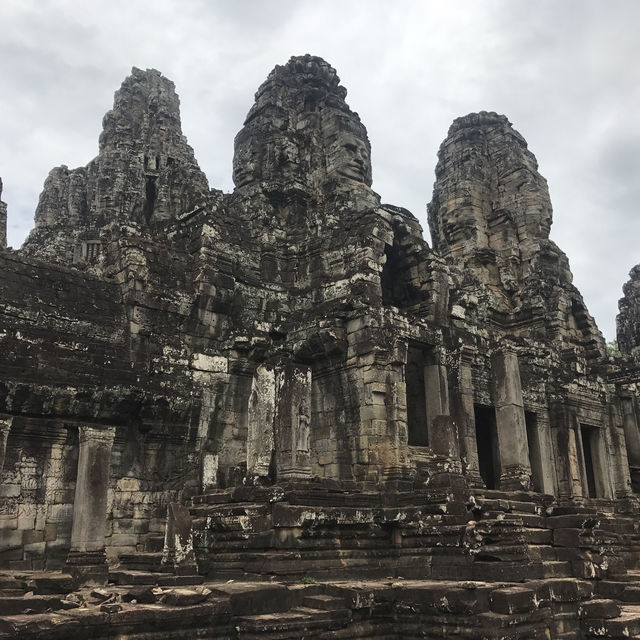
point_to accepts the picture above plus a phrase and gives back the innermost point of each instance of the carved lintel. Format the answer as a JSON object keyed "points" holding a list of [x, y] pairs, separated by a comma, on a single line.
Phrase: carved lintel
{"points": [[90, 433]]}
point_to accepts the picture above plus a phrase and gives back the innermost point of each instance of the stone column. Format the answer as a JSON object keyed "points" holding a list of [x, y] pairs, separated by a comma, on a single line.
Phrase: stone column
{"points": [[565, 430], [178, 554], [546, 456], [574, 451], [3, 221], [631, 433], [87, 560], [448, 469], [436, 393], [5, 427], [515, 468], [466, 421], [613, 460]]}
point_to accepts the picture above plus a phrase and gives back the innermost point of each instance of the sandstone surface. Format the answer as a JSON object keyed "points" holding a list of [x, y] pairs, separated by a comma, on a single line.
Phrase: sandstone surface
{"points": [[280, 413]]}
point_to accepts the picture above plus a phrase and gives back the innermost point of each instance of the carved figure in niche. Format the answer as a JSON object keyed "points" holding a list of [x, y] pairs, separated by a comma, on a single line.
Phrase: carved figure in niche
{"points": [[302, 440], [134, 451]]}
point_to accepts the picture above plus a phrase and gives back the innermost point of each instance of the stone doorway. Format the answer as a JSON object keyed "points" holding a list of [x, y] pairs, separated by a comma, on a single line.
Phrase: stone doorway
{"points": [[487, 443], [417, 426], [593, 462]]}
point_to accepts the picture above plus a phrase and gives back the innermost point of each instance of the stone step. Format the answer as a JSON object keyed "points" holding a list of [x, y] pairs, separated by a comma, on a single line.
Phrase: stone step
{"points": [[154, 544], [541, 553], [626, 625], [557, 569], [139, 578], [11, 582], [22, 604], [133, 577], [623, 591], [290, 625], [51, 583], [219, 497], [151, 562], [323, 602]]}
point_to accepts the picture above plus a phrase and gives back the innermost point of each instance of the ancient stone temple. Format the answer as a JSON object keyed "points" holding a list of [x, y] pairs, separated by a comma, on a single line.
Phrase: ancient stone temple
{"points": [[280, 413]]}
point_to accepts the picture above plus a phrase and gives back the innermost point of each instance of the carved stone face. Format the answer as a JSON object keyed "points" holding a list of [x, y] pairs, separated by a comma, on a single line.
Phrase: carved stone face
{"points": [[352, 159], [300, 133], [246, 163]]}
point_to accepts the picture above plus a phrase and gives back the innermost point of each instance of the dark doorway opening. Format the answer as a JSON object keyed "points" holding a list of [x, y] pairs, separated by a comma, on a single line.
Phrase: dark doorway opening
{"points": [[150, 200], [589, 447], [392, 279], [487, 444], [535, 452], [417, 427]]}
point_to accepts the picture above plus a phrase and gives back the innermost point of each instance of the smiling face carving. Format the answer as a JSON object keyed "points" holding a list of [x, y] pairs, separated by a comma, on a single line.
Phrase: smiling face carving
{"points": [[300, 134], [353, 159]]}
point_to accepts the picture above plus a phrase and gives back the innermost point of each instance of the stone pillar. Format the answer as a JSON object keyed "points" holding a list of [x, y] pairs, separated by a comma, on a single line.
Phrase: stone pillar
{"points": [[178, 553], [631, 433], [448, 469], [567, 450], [375, 373], [615, 459], [436, 393], [466, 421], [293, 420], [262, 406], [3, 221], [87, 560], [574, 451], [515, 468], [5, 427], [545, 452]]}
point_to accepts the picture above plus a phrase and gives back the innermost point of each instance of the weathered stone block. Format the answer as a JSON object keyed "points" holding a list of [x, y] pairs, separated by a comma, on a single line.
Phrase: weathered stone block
{"points": [[9, 490], [32, 536], [605, 609]]}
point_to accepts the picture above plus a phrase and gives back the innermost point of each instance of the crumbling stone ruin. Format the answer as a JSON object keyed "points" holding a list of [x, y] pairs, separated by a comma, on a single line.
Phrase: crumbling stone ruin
{"points": [[280, 413]]}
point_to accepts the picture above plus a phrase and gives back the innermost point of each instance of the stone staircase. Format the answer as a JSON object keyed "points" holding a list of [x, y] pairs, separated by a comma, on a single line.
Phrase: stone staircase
{"points": [[46, 606], [288, 531], [530, 568], [318, 530]]}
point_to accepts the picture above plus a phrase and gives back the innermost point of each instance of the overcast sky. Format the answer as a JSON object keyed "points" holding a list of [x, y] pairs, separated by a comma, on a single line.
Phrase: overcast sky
{"points": [[566, 73]]}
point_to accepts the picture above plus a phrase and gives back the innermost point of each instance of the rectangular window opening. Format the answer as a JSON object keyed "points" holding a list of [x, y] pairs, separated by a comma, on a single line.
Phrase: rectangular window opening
{"points": [[487, 444], [590, 441], [418, 431]]}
